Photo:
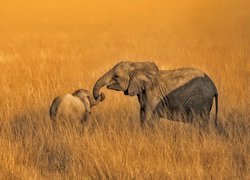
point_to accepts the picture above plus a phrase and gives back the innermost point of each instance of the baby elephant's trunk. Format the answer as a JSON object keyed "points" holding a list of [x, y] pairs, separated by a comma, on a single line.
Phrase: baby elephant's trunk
{"points": [[98, 100]]}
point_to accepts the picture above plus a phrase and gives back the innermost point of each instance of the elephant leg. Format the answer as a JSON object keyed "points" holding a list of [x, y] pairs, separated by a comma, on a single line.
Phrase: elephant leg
{"points": [[208, 108], [190, 115], [85, 117], [54, 125], [142, 116], [148, 118], [84, 121], [204, 113], [205, 116]]}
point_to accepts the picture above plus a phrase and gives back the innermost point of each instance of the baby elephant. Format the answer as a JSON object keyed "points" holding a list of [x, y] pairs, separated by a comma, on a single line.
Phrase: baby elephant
{"points": [[74, 107]]}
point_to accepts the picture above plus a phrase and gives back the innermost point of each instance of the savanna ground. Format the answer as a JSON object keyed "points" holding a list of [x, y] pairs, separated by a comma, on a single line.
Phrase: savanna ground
{"points": [[49, 48]]}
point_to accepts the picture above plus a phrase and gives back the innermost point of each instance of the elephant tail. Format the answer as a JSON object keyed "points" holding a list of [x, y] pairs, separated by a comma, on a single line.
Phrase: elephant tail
{"points": [[221, 130], [216, 109]]}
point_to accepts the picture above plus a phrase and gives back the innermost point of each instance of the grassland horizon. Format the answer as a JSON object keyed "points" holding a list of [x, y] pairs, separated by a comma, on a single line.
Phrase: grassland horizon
{"points": [[50, 48]]}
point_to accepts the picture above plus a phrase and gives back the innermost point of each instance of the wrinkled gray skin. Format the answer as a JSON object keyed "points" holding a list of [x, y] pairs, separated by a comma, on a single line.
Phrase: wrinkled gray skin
{"points": [[74, 106], [162, 93]]}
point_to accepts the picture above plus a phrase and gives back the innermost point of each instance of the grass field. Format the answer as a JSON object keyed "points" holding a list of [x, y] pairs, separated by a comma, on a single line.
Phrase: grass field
{"points": [[49, 48]]}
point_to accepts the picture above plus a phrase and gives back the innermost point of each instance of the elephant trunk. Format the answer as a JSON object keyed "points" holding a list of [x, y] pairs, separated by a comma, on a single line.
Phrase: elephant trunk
{"points": [[95, 102], [92, 101], [102, 81]]}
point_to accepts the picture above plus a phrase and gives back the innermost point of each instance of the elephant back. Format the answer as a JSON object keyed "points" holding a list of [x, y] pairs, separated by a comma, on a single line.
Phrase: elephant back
{"points": [[174, 79], [71, 107]]}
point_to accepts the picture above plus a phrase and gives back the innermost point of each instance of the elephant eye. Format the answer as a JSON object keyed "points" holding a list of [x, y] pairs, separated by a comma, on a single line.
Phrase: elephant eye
{"points": [[116, 76]]}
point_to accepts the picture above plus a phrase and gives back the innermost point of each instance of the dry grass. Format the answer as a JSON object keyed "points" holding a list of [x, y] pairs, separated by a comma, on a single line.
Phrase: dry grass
{"points": [[50, 48]]}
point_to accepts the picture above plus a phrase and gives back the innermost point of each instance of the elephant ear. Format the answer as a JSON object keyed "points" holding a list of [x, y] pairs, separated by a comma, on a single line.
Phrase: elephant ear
{"points": [[85, 98], [143, 77]]}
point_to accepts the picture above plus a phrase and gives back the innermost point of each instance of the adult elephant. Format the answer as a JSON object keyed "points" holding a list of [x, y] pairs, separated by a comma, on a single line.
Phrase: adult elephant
{"points": [[163, 93]]}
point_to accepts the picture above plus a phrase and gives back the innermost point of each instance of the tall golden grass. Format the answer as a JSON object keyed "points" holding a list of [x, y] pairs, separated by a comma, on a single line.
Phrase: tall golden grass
{"points": [[49, 48]]}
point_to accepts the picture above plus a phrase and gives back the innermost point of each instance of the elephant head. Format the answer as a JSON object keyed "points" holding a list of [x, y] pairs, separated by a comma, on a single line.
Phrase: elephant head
{"points": [[130, 77], [88, 99]]}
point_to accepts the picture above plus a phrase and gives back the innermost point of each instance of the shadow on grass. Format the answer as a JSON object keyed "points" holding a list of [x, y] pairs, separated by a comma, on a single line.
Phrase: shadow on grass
{"points": [[34, 134]]}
